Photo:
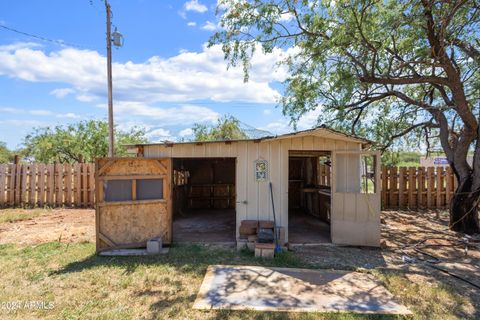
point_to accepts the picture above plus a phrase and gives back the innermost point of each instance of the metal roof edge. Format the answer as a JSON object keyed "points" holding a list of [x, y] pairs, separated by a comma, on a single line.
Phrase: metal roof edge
{"points": [[282, 136]]}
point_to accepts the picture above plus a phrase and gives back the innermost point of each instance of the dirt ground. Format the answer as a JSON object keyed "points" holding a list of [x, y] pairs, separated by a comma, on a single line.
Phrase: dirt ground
{"points": [[65, 225], [401, 230], [437, 249]]}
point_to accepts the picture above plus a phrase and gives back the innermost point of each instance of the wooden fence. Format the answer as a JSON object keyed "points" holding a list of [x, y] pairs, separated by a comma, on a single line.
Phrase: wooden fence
{"points": [[411, 187], [53, 185], [417, 187], [56, 185]]}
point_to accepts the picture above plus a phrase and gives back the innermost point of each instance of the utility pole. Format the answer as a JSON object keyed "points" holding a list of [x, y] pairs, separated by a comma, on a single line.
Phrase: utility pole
{"points": [[109, 80]]}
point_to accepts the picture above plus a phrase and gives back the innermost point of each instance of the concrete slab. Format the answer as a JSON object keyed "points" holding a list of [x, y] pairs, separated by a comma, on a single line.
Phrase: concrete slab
{"points": [[294, 290]]}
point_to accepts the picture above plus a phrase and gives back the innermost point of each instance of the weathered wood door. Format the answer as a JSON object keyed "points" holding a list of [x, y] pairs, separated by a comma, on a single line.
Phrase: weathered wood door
{"points": [[133, 201], [356, 189]]}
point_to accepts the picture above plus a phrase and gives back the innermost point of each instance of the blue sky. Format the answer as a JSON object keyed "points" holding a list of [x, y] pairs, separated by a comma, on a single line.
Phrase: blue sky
{"points": [[165, 78]]}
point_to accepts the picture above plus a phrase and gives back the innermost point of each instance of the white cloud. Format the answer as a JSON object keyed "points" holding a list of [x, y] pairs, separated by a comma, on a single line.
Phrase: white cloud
{"points": [[195, 5], [61, 92], [11, 110], [285, 17], [182, 14], [209, 26], [69, 115], [181, 115], [308, 121], [185, 77], [22, 123], [19, 45], [159, 134], [86, 97], [40, 112], [191, 24], [185, 132], [267, 112], [278, 127]]}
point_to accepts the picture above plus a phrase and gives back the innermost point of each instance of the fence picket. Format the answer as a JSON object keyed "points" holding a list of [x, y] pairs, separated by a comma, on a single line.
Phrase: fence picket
{"points": [[449, 185], [421, 196], [51, 184], [393, 187], [3, 179], [41, 185], [23, 190], [439, 187], [384, 178], [68, 185], [412, 188], [91, 184], [32, 193], [59, 185], [401, 187], [11, 184]]}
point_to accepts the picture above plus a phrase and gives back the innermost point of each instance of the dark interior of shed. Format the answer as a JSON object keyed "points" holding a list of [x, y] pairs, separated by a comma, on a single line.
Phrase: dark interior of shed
{"points": [[204, 200], [309, 196]]}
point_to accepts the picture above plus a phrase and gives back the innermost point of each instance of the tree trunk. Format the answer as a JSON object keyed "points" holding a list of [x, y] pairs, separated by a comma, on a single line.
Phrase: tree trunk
{"points": [[464, 208]]}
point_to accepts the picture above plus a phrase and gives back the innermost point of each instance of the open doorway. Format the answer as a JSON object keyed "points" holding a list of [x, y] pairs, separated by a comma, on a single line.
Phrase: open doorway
{"points": [[204, 200], [309, 197]]}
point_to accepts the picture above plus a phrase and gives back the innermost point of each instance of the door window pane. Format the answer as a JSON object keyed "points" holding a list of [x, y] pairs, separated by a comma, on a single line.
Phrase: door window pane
{"points": [[118, 190], [149, 189]]}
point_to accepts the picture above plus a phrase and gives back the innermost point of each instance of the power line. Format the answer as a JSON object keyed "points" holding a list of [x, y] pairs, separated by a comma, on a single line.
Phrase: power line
{"points": [[60, 42]]}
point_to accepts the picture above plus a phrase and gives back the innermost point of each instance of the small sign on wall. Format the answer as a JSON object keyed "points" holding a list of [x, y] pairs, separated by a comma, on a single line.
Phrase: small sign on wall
{"points": [[261, 170]]}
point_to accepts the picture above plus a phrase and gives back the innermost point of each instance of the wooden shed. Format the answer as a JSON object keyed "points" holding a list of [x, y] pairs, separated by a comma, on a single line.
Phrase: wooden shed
{"points": [[326, 189]]}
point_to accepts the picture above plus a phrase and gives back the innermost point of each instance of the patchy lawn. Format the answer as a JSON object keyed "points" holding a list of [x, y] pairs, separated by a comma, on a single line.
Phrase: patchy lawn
{"points": [[17, 215], [81, 285]]}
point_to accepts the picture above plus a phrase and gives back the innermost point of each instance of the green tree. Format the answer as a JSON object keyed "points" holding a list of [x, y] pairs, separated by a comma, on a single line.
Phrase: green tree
{"points": [[79, 142], [5, 153], [384, 69], [227, 128]]}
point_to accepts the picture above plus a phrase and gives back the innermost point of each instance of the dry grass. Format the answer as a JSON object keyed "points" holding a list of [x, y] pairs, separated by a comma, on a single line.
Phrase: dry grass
{"points": [[15, 215], [84, 286], [427, 300]]}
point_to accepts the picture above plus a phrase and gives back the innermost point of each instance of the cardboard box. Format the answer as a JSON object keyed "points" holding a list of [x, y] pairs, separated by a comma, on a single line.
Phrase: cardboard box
{"points": [[265, 250], [267, 224], [249, 223], [247, 231]]}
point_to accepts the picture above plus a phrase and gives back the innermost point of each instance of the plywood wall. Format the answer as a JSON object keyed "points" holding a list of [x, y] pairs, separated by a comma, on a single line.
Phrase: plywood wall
{"points": [[253, 198]]}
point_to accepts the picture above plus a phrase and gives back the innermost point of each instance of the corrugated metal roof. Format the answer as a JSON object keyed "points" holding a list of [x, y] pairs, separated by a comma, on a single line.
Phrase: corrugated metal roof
{"points": [[321, 131]]}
